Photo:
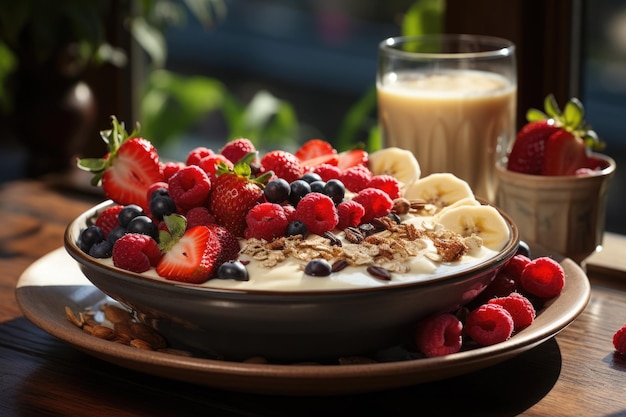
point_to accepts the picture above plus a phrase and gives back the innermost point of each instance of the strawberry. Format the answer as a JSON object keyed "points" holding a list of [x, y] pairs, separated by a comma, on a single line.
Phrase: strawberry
{"points": [[329, 159], [564, 154], [348, 159], [528, 150], [554, 142], [189, 255], [234, 193], [130, 167], [314, 148]]}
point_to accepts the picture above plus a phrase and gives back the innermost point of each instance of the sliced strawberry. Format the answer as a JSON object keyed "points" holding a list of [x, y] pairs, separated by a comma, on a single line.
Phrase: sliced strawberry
{"points": [[133, 170], [331, 159], [564, 154], [348, 159], [193, 258], [314, 148], [529, 147]]}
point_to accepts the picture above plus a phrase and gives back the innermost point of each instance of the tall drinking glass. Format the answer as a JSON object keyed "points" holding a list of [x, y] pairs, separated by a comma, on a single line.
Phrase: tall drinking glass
{"points": [[451, 100]]}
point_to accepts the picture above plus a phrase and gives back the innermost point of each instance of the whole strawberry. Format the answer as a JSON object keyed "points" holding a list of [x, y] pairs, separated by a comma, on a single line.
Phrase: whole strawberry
{"points": [[130, 167], [234, 193], [554, 142]]}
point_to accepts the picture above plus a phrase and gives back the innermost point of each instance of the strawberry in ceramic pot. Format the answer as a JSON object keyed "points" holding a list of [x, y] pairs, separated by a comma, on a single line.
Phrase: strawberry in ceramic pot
{"points": [[555, 142]]}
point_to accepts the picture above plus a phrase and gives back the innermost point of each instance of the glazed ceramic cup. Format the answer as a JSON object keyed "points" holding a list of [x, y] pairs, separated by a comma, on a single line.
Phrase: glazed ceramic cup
{"points": [[565, 214], [451, 100]]}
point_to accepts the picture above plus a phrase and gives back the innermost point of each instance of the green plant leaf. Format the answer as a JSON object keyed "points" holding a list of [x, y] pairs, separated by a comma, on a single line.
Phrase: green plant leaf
{"points": [[534, 115], [424, 16], [150, 39], [551, 107], [573, 113], [355, 120]]}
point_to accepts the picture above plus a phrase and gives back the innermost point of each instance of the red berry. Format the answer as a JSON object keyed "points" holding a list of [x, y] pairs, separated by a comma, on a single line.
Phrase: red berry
{"points": [[266, 221], [171, 168], [314, 148], [135, 252], [515, 266], [519, 307], [192, 257], [210, 163], [528, 150], [619, 340], [387, 183], [564, 154], [543, 277], [489, 324], [356, 178], [199, 216], [501, 286], [229, 244], [196, 154], [317, 212], [350, 214], [284, 164], [327, 171], [107, 219], [290, 212], [348, 159], [189, 187], [237, 149], [439, 335], [375, 202]]}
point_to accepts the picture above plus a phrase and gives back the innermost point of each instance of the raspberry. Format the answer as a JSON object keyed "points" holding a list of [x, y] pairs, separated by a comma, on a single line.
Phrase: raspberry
{"points": [[317, 212], [501, 286], [356, 178], [171, 168], [489, 324], [266, 221], [199, 216], [209, 164], [543, 277], [619, 340], [195, 155], [284, 164], [388, 184], [327, 171], [135, 252], [290, 212], [439, 335], [189, 187], [237, 149], [375, 202], [107, 219], [350, 214], [519, 307], [515, 266]]}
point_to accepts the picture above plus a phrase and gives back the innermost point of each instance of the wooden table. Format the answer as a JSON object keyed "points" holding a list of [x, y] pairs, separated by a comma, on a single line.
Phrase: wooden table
{"points": [[576, 373]]}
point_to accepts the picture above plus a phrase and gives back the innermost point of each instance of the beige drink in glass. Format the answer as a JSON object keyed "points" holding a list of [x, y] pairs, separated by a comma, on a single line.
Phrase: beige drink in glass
{"points": [[451, 99]]}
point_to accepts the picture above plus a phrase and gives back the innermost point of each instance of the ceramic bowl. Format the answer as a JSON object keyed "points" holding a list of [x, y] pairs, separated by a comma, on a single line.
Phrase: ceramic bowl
{"points": [[565, 214], [284, 326]]}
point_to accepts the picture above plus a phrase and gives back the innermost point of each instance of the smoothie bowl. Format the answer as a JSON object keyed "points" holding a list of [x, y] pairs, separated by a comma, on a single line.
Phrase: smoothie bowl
{"points": [[289, 256], [292, 324]]}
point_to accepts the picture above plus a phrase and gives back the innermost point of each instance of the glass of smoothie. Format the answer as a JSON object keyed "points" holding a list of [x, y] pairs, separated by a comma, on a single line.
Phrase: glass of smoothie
{"points": [[451, 100]]}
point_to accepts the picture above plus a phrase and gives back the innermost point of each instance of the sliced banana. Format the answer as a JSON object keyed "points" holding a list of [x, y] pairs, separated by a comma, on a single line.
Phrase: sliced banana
{"points": [[396, 162], [483, 221], [467, 201], [440, 189]]}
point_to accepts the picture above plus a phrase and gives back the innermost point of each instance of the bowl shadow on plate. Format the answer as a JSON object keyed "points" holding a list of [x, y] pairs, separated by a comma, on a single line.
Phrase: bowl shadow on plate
{"points": [[505, 389]]}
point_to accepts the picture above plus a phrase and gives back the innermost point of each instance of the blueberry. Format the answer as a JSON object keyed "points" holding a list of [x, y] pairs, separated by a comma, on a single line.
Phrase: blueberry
{"points": [[318, 268], [103, 249], [277, 190], [233, 270], [311, 177], [116, 233], [144, 225], [295, 228], [318, 186], [162, 205], [299, 188], [89, 237], [335, 190], [523, 249], [159, 192], [128, 213]]}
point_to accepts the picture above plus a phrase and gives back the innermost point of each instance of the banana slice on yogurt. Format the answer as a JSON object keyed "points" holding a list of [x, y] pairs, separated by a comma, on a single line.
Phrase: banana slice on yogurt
{"points": [[440, 189], [482, 220], [396, 162]]}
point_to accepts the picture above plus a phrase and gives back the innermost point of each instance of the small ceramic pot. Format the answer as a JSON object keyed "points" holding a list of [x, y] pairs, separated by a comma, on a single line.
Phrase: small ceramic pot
{"points": [[565, 214]]}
